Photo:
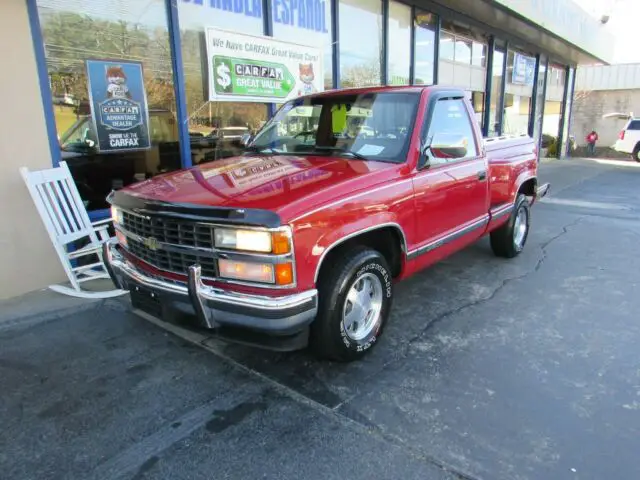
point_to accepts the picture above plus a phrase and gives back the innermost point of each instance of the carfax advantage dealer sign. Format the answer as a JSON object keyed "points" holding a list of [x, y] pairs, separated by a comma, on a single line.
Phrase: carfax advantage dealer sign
{"points": [[247, 68]]}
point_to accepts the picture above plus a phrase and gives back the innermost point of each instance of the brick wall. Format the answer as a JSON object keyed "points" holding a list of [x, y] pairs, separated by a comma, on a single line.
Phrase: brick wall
{"points": [[588, 108]]}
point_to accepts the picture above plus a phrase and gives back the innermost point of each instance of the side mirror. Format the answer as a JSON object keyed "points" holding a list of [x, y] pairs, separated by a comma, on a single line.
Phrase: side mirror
{"points": [[447, 146]]}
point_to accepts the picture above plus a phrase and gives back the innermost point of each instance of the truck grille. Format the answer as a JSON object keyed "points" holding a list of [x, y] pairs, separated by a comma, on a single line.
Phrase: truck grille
{"points": [[172, 261], [183, 234], [169, 231]]}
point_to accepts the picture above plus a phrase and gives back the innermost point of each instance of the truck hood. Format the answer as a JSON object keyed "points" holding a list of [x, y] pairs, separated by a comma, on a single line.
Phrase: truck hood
{"points": [[287, 185]]}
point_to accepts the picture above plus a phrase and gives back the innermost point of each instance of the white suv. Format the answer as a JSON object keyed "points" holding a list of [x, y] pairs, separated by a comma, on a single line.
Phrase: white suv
{"points": [[629, 138]]}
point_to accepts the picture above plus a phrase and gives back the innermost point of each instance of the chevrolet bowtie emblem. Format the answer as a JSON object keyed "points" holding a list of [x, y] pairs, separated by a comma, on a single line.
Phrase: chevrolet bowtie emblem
{"points": [[152, 243]]}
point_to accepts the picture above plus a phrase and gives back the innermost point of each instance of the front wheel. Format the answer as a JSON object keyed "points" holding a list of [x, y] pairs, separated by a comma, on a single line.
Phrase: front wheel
{"points": [[355, 296], [509, 240]]}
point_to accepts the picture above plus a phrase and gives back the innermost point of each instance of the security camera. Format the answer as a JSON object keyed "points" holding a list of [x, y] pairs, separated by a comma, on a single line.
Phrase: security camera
{"points": [[604, 19]]}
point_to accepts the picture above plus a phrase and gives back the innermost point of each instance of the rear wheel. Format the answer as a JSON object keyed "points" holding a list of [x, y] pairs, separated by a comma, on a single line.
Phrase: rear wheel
{"points": [[355, 295], [636, 153], [509, 240]]}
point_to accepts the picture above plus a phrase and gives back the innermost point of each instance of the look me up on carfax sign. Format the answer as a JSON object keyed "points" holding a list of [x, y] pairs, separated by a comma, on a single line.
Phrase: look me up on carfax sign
{"points": [[247, 68], [118, 105]]}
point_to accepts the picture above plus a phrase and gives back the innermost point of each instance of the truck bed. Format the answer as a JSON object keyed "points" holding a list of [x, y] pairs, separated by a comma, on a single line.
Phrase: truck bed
{"points": [[510, 157]]}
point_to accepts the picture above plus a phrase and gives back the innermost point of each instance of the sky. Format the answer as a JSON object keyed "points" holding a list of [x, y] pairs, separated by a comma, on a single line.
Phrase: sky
{"points": [[623, 24]]}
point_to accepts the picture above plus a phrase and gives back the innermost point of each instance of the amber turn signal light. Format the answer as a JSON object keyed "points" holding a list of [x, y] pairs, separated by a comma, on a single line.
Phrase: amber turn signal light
{"points": [[284, 274], [280, 243]]}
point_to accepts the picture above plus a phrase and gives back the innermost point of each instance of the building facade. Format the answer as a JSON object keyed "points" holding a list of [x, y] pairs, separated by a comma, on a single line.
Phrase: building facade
{"points": [[123, 90]]}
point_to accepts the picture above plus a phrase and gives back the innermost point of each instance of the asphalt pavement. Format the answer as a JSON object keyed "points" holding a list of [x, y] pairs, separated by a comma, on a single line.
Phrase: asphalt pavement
{"points": [[489, 369]]}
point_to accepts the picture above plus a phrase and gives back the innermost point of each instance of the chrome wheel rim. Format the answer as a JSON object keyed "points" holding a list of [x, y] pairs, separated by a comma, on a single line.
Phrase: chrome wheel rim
{"points": [[520, 228], [362, 307]]}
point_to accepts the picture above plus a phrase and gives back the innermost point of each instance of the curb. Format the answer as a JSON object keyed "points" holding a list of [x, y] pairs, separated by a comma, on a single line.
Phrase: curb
{"points": [[33, 308]]}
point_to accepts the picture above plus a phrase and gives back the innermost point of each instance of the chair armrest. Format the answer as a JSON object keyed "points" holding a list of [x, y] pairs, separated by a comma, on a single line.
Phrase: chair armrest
{"points": [[101, 222]]}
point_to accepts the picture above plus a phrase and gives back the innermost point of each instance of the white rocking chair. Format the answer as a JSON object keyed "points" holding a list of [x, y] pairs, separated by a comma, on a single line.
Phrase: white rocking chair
{"points": [[66, 220]]}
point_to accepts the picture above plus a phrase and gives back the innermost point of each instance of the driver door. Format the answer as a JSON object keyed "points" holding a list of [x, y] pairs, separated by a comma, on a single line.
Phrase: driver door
{"points": [[450, 185]]}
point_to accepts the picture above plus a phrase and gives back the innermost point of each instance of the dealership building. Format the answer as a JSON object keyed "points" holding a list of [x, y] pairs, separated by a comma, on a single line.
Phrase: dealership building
{"points": [[123, 90]]}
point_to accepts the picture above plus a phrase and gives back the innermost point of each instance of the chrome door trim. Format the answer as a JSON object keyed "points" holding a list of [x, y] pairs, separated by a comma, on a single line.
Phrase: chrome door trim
{"points": [[481, 222]]}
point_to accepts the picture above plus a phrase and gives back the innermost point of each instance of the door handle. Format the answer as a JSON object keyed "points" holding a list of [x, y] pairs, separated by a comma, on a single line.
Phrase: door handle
{"points": [[482, 175]]}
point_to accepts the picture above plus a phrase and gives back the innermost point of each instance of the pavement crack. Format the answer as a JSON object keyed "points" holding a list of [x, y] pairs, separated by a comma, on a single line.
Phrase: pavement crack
{"points": [[543, 247], [404, 350]]}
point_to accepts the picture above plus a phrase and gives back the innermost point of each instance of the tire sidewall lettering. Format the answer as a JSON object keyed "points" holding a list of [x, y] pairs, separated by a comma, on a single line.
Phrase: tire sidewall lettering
{"points": [[384, 276], [386, 279]]}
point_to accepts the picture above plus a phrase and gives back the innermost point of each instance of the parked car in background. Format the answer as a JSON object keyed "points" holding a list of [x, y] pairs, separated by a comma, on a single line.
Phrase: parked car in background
{"points": [[629, 137], [300, 240], [97, 173]]}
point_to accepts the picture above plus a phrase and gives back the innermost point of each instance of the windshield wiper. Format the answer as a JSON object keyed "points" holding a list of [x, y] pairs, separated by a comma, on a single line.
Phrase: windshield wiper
{"points": [[256, 149], [343, 151]]}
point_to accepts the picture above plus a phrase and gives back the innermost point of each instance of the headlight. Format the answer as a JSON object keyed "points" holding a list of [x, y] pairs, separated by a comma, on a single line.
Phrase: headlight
{"points": [[279, 274], [116, 214], [253, 272], [252, 240]]}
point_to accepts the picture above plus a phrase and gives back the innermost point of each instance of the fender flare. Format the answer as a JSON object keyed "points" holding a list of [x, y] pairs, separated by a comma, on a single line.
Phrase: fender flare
{"points": [[520, 180], [343, 238]]}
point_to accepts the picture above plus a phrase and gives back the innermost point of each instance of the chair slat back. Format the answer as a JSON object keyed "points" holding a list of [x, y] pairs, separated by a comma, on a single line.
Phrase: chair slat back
{"points": [[59, 204]]}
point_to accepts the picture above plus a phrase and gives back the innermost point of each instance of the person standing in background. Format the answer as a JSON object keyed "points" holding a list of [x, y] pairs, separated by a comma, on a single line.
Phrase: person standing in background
{"points": [[592, 138]]}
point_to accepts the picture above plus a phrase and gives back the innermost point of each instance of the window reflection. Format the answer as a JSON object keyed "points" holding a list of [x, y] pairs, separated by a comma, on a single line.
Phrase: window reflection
{"points": [[518, 92], [447, 46], [285, 27], [399, 43], [137, 33], [463, 51], [360, 43], [553, 101], [425, 38], [495, 113], [463, 60], [215, 128]]}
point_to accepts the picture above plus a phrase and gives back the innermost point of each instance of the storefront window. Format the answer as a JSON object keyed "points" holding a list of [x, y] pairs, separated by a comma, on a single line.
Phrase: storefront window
{"points": [[425, 38], [399, 43], [537, 121], [553, 102], [477, 102], [447, 46], [132, 71], [568, 142], [479, 54], [306, 27], [215, 128], [463, 51], [518, 92], [360, 43], [463, 63], [495, 114]]}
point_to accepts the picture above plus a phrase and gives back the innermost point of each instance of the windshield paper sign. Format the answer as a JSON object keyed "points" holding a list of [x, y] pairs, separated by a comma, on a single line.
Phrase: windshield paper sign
{"points": [[246, 68], [118, 105]]}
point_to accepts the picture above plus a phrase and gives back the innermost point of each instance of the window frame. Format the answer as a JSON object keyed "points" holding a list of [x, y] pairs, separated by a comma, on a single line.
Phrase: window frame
{"points": [[432, 101]]}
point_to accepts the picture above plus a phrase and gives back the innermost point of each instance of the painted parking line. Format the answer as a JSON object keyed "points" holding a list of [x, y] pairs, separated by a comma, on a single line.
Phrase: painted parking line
{"points": [[585, 204]]}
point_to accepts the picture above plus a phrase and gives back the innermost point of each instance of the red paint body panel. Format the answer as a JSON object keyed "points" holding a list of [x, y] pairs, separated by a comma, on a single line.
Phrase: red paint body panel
{"points": [[327, 199]]}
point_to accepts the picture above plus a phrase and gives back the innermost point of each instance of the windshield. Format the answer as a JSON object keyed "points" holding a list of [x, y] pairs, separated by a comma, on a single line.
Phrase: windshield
{"points": [[372, 126]]}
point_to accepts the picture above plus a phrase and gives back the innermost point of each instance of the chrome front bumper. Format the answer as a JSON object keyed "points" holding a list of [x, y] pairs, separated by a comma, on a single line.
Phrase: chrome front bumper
{"points": [[215, 307]]}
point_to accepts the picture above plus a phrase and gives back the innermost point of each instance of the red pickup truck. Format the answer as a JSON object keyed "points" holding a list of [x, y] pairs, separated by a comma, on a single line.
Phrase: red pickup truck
{"points": [[300, 240]]}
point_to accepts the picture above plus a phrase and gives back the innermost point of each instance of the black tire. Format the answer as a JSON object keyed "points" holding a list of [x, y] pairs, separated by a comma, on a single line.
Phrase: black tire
{"points": [[503, 239], [329, 338], [636, 153]]}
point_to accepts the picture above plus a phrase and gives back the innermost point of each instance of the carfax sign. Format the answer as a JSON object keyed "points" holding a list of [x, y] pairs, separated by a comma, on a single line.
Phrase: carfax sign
{"points": [[118, 105], [246, 68]]}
